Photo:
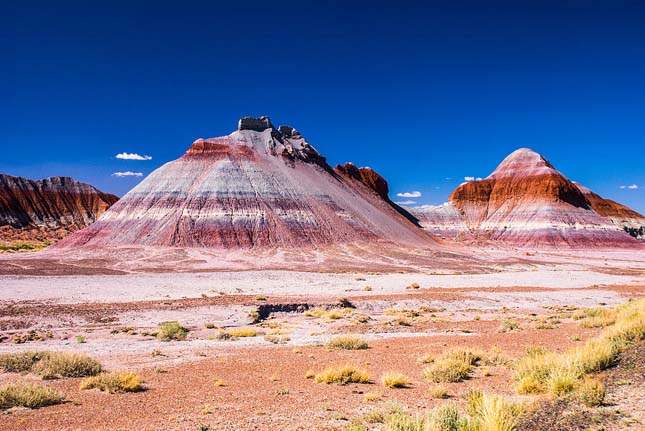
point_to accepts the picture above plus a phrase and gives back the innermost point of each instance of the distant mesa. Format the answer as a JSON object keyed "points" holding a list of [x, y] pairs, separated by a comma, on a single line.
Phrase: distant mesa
{"points": [[527, 202], [47, 210], [257, 188]]}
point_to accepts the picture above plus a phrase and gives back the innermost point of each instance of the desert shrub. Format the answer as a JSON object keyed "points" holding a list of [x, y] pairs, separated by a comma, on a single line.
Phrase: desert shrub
{"points": [[373, 396], [347, 342], [447, 371], [439, 391], [469, 356], [171, 331], [393, 379], [452, 366], [20, 362], [113, 382], [28, 395], [509, 325], [561, 381], [444, 418], [277, 339], [426, 359], [50, 365], [547, 324], [62, 364], [333, 314], [343, 375], [242, 332], [591, 393], [495, 413], [310, 374]]}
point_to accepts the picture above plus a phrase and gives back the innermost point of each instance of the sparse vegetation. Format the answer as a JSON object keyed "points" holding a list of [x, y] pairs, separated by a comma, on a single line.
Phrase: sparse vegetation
{"points": [[32, 335], [171, 331], [595, 317], [113, 382], [560, 373], [50, 365], [333, 314], [242, 332], [80, 339], [373, 396], [485, 412], [413, 286], [591, 392], [452, 366], [343, 375], [21, 247], [439, 392], [509, 325], [392, 379], [277, 339], [347, 342], [28, 395]]}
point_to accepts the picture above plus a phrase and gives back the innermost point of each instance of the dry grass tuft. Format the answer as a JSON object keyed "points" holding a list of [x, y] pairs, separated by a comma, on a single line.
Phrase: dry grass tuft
{"points": [[50, 365], [113, 382], [28, 395], [452, 366], [373, 396], [595, 317], [591, 393], [392, 379], [439, 392], [347, 342], [343, 375]]}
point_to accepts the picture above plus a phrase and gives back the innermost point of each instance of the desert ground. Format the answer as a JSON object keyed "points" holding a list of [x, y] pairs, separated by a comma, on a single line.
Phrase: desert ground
{"points": [[257, 339]]}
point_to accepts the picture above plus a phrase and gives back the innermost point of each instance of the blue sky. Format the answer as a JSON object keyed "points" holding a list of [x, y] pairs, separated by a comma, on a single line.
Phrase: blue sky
{"points": [[426, 93]]}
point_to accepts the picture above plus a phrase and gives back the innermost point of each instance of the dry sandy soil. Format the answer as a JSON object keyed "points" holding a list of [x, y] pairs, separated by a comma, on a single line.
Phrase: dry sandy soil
{"points": [[116, 306]]}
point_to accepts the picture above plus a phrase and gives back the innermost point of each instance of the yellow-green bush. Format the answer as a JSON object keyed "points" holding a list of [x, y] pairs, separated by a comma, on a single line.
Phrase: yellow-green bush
{"points": [[393, 379], [343, 375], [28, 395], [171, 331], [50, 365], [113, 382], [347, 342], [452, 366]]}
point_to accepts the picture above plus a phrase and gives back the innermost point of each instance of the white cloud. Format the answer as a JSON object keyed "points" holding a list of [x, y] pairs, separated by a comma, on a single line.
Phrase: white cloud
{"points": [[127, 174], [631, 187], [132, 156], [408, 202], [409, 195], [467, 179]]}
